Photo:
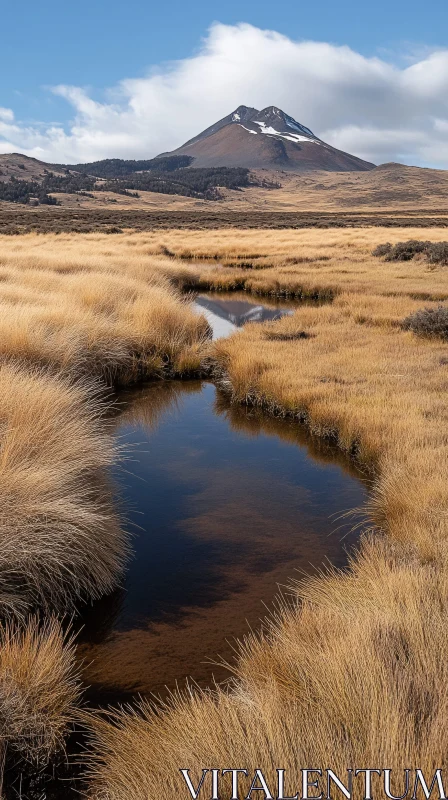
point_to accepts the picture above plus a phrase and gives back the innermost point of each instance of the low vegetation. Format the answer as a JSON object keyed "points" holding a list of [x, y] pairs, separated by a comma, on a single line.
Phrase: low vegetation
{"points": [[435, 252], [428, 322], [21, 219]]}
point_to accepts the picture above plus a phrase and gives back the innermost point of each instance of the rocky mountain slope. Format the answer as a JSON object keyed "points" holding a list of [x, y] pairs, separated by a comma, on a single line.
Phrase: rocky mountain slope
{"points": [[267, 139]]}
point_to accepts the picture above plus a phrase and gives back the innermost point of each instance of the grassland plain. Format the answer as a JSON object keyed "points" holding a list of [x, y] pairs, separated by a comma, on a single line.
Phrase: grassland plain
{"points": [[358, 655], [68, 330], [353, 671]]}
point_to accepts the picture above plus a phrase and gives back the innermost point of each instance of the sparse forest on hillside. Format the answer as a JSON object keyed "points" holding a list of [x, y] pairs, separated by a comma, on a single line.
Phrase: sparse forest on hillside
{"points": [[190, 182], [170, 175], [17, 191]]}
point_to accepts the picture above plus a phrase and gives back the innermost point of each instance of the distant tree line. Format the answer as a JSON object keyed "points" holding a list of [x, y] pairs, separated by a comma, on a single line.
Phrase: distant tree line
{"points": [[118, 167]]}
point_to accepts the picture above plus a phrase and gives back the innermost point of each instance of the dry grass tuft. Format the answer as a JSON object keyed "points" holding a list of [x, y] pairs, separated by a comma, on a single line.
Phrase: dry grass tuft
{"points": [[59, 533], [95, 323], [39, 689]]}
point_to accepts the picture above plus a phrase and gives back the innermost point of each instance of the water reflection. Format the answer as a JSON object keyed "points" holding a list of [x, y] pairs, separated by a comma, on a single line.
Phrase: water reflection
{"points": [[228, 311], [227, 504]]}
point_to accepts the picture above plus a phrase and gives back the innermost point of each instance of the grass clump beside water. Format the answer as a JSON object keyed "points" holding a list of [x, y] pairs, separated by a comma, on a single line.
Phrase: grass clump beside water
{"points": [[60, 537], [39, 690], [96, 323]]}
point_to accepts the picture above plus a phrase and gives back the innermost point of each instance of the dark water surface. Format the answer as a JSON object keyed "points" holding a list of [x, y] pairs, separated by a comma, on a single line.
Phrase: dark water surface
{"points": [[224, 505]]}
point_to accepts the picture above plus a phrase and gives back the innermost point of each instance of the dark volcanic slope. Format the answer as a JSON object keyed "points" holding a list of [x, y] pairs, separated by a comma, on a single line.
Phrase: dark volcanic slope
{"points": [[269, 139]]}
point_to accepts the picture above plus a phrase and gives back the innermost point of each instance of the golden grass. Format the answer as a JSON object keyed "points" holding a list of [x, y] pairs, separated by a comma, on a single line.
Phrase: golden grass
{"points": [[60, 537], [93, 314], [354, 673], [348, 678], [39, 689]]}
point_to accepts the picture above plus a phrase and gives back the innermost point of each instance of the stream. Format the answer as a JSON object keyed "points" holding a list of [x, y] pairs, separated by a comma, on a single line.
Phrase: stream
{"points": [[225, 505]]}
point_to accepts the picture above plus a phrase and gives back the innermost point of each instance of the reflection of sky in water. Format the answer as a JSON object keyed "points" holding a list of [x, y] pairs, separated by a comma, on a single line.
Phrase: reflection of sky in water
{"points": [[227, 508], [226, 312], [220, 327]]}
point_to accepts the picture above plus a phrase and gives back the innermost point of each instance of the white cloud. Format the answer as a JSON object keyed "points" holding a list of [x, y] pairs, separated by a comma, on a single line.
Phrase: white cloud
{"points": [[367, 106], [6, 115]]}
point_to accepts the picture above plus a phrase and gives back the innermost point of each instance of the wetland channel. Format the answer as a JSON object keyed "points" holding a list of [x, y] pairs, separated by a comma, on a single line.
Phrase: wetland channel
{"points": [[224, 505]]}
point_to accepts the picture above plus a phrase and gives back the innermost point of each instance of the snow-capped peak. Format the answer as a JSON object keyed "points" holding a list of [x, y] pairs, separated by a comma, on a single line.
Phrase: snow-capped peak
{"points": [[272, 121]]}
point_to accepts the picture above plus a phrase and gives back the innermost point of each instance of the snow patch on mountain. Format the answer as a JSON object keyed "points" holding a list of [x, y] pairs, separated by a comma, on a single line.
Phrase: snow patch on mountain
{"points": [[292, 137]]}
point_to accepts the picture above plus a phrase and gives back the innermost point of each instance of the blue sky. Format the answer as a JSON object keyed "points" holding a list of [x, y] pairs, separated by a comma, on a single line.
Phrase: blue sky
{"points": [[97, 45]]}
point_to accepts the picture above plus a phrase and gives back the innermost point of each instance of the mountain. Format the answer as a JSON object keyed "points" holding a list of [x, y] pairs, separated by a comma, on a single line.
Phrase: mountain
{"points": [[267, 139]]}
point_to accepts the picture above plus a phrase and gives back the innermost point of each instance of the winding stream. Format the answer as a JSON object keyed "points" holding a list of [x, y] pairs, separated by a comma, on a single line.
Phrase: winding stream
{"points": [[224, 506]]}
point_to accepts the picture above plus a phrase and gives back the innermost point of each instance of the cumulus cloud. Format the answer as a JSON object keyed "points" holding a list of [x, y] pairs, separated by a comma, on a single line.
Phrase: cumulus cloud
{"points": [[366, 106]]}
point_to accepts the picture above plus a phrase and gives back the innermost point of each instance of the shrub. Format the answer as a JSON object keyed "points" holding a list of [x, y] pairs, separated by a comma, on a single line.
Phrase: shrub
{"points": [[405, 251], [437, 253], [287, 336], [382, 250], [428, 322]]}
